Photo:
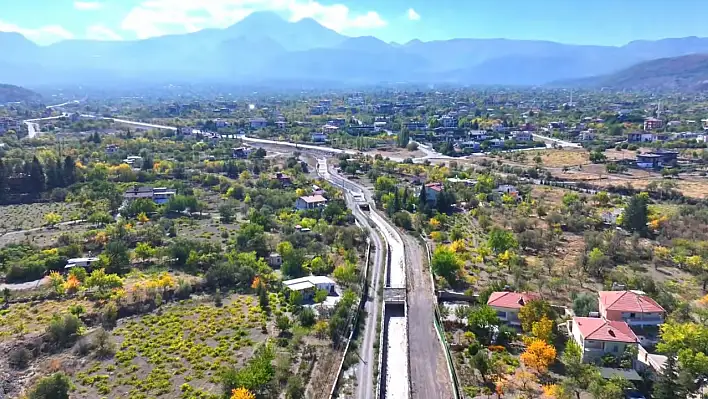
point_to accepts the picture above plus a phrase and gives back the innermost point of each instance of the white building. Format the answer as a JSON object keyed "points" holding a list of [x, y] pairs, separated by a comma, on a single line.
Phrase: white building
{"points": [[522, 136], [310, 202], [80, 262], [310, 284]]}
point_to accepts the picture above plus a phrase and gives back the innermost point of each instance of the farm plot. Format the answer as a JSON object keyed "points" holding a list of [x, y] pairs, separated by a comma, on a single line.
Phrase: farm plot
{"points": [[177, 352], [30, 216], [32, 318]]}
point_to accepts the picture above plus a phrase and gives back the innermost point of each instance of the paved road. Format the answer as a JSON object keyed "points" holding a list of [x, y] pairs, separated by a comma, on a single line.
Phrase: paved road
{"points": [[560, 142], [365, 369], [430, 377]]}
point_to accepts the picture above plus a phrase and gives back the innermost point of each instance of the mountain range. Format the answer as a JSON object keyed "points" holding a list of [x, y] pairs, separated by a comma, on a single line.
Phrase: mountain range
{"points": [[11, 93], [685, 73], [265, 48]]}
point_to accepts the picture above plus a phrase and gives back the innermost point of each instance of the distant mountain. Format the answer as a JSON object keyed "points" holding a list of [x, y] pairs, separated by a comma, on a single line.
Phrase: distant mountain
{"points": [[685, 73], [10, 93], [263, 47]]}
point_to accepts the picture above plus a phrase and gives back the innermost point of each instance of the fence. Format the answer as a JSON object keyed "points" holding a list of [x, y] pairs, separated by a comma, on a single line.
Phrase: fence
{"points": [[359, 308]]}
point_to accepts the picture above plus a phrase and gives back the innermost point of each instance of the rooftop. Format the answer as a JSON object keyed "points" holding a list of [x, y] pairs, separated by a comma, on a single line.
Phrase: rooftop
{"points": [[511, 300], [604, 330], [313, 199], [629, 301]]}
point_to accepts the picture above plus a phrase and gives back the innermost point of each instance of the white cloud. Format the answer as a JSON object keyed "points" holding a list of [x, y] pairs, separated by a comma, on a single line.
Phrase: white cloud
{"points": [[159, 17], [87, 5], [412, 15], [47, 34], [100, 32]]}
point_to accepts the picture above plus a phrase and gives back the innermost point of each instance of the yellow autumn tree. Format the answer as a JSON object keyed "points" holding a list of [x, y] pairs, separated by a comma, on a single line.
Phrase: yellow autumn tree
{"points": [[434, 224], [242, 393], [543, 329], [458, 246], [554, 391], [142, 218], [538, 356]]}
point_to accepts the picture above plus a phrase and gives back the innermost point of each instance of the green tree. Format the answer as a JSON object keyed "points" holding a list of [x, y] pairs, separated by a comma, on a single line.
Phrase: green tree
{"points": [[307, 317], [54, 387], [480, 361], [445, 263], [320, 296], [667, 384], [69, 170], [226, 213], [293, 260], [585, 303], [116, 257], [255, 376], [37, 180], [636, 214], [501, 240], [283, 323], [144, 251], [579, 375], [483, 320], [403, 137]]}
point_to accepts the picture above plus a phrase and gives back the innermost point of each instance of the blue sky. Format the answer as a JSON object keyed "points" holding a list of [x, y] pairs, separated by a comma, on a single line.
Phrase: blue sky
{"points": [[605, 22]]}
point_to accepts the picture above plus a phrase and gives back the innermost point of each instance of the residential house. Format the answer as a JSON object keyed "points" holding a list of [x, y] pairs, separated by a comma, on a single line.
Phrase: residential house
{"points": [[522, 136], [415, 125], [310, 284], [319, 137], [448, 121], [361, 129], [642, 313], [378, 126], [275, 260], [432, 190], [258, 123], [468, 145], [478, 135], [220, 123], [284, 179], [705, 124], [186, 131], [507, 189], [310, 202], [112, 149], [240, 152], [162, 194], [642, 137], [7, 123], [653, 124], [281, 124], [508, 304], [159, 195], [338, 122], [587, 135], [318, 110], [657, 159], [134, 161], [80, 262], [598, 337]]}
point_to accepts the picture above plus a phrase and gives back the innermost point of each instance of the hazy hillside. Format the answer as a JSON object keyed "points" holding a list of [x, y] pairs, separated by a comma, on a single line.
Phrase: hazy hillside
{"points": [[10, 93], [263, 47], [685, 73]]}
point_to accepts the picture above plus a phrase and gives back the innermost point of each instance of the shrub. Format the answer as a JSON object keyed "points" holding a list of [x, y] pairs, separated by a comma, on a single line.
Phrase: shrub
{"points": [[307, 317], [55, 387], [104, 346], [20, 358], [109, 316], [64, 330], [83, 347]]}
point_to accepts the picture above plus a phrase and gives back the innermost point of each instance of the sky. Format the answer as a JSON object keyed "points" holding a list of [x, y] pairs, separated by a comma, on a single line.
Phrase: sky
{"points": [[601, 22]]}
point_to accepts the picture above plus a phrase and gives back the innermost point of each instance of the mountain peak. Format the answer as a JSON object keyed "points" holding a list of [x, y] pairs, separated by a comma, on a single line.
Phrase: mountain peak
{"points": [[261, 20]]}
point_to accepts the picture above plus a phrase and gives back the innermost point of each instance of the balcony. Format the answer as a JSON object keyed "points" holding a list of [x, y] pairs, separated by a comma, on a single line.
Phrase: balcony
{"points": [[644, 321]]}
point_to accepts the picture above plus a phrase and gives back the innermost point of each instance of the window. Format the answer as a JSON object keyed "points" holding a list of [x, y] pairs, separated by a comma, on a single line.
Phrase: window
{"points": [[502, 315], [632, 315], [615, 349]]}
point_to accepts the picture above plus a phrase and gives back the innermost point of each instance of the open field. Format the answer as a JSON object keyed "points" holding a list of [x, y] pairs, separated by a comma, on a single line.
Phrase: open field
{"points": [[30, 216], [188, 344]]}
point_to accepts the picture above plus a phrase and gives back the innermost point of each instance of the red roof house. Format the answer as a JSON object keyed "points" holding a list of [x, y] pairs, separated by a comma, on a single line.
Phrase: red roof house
{"points": [[633, 307], [598, 336], [508, 304]]}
